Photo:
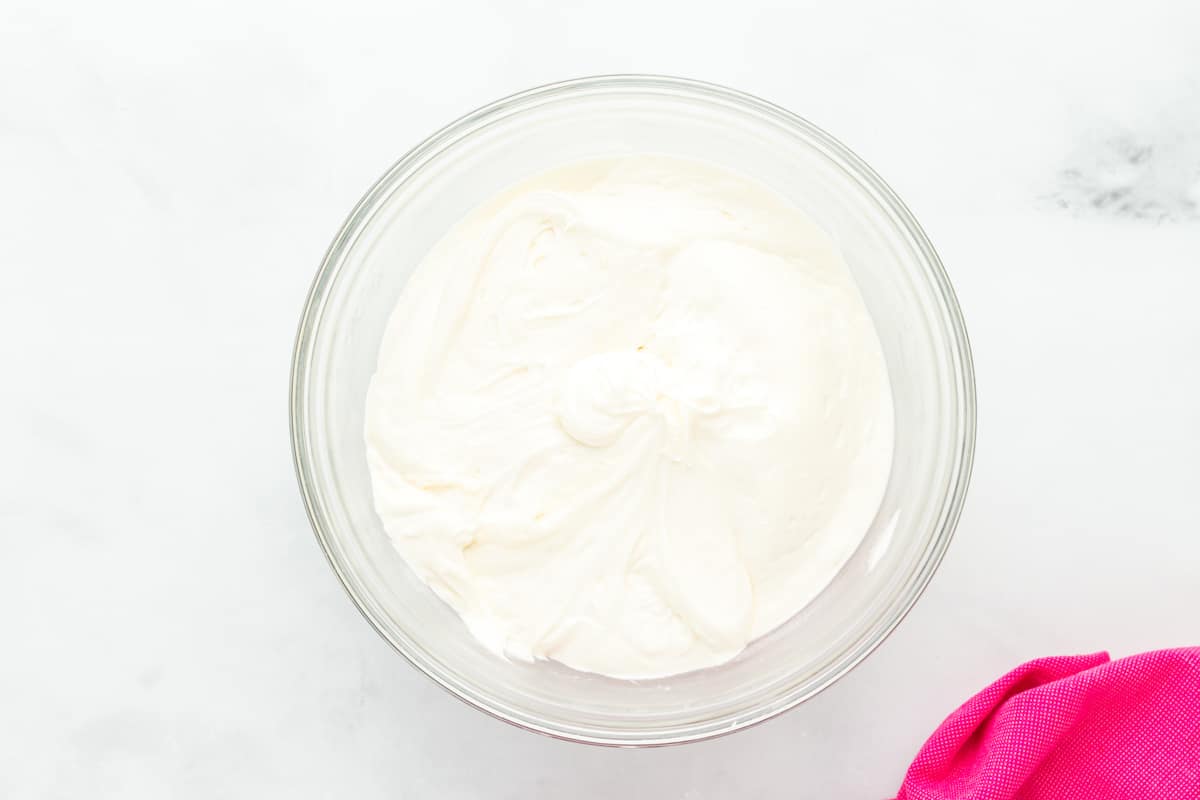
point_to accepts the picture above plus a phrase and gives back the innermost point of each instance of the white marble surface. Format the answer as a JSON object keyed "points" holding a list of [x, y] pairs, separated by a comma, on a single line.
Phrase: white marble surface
{"points": [[170, 175]]}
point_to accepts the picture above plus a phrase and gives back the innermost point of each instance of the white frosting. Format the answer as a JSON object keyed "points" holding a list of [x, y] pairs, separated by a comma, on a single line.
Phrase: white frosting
{"points": [[629, 415]]}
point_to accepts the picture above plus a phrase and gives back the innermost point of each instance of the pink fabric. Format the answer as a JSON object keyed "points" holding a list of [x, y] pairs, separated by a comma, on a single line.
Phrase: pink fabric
{"points": [[1071, 728]]}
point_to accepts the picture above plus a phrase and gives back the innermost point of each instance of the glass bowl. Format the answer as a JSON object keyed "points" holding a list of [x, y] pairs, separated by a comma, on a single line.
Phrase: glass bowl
{"points": [[901, 280]]}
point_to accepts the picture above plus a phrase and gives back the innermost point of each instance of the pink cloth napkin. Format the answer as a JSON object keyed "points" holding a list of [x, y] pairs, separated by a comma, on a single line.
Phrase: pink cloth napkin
{"points": [[1071, 728]]}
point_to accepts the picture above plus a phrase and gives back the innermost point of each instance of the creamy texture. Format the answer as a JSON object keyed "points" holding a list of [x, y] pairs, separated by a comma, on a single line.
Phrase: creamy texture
{"points": [[629, 415]]}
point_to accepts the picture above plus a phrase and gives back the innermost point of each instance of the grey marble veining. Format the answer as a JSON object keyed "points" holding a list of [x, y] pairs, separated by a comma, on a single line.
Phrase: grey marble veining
{"points": [[1151, 175]]}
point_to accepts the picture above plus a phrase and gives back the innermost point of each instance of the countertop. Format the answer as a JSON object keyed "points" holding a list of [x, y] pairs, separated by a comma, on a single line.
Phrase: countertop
{"points": [[171, 175]]}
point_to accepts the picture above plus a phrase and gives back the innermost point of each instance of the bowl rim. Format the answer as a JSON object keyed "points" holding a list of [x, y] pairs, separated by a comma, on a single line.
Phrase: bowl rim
{"points": [[883, 195]]}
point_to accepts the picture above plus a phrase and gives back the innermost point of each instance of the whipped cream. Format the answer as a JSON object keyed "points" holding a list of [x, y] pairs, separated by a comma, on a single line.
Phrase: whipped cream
{"points": [[629, 415]]}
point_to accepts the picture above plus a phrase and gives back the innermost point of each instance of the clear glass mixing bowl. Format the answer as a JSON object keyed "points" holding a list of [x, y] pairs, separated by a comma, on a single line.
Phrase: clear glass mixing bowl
{"points": [[900, 277]]}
